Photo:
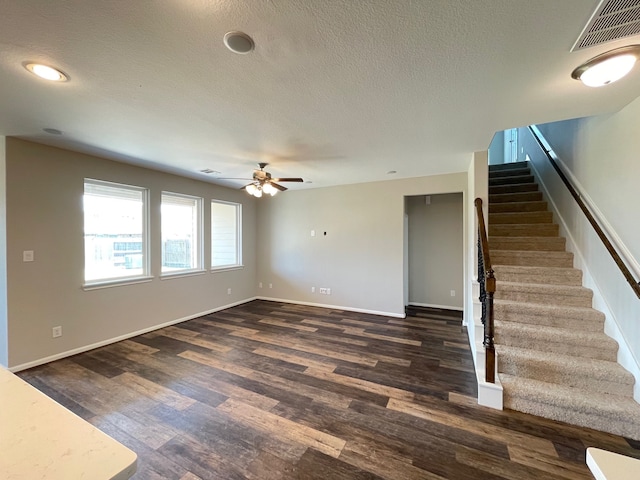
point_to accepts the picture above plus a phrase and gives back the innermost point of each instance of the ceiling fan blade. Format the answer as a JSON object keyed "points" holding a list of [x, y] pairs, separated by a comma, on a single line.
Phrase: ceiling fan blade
{"points": [[288, 179], [279, 187]]}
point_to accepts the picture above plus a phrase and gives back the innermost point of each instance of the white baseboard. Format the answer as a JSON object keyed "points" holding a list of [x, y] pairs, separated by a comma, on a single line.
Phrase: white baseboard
{"points": [[433, 305], [336, 307], [102, 343], [489, 394], [626, 358]]}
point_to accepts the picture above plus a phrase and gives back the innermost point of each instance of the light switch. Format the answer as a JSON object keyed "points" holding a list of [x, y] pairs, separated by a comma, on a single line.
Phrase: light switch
{"points": [[27, 256], [313, 233]]}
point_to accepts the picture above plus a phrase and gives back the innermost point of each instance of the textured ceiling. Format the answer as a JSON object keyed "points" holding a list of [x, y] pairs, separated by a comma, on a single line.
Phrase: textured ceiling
{"points": [[336, 91]]}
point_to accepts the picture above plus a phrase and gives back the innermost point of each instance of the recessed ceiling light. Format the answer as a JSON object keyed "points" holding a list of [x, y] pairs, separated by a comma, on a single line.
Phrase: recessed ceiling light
{"points": [[46, 72], [607, 68], [52, 131], [238, 42]]}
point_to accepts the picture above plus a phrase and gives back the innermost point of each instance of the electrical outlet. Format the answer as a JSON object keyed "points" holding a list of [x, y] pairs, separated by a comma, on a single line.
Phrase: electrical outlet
{"points": [[56, 332], [27, 256], [228, 291], [328, 291], [313, 289], [271, 285], [323, 291], [260, 285], [453, 293]]}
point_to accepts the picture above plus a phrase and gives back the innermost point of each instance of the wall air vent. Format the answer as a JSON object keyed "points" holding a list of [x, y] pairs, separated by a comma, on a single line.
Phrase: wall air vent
{"points": [[612, 20]]}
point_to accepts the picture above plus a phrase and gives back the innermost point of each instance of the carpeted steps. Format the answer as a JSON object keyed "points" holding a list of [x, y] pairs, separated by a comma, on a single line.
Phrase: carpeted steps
{"points": [[554, 359]]}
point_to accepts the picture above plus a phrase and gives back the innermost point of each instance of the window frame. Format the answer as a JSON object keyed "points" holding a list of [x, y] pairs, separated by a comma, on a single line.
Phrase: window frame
{"points": [[199, 250], [145, 276], [238, 243]]}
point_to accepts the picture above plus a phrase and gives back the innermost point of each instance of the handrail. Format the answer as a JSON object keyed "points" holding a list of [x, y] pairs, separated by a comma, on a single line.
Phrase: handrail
{"points": [[635, 285], [487, 282]]}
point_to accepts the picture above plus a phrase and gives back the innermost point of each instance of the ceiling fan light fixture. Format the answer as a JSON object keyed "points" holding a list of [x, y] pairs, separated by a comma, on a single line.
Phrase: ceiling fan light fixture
{"points": [[269, 189], [608, 67], [46, 72]]}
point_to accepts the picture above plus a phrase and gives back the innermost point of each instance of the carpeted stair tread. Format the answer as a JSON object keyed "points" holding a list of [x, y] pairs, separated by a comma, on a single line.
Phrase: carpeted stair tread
{"points": [[548, 244], [560, 316], [523, 187], [526, 230], [586, 373], [557, 340], [532, 258], [573, 295], [536, 274], [520, 217], [503, 207], [609, 413], [510, 180], [515, 197]]}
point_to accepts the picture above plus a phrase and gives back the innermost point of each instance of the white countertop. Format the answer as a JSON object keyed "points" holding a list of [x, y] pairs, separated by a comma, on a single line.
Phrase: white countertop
{"points": [[40, 439], [612, 466]]}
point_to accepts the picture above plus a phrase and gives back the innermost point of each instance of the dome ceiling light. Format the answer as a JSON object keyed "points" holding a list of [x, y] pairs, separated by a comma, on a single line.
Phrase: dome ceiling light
{"points": [[46, 72], [608, 67]]}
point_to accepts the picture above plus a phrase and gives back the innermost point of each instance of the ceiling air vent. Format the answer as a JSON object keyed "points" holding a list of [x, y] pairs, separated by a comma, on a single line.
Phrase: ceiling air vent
{"points": [[612, 20]]}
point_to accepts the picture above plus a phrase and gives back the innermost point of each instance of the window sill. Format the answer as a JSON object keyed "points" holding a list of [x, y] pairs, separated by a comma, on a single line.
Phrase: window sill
{"points": [[227, 269], [116, 283], [184, 273]]}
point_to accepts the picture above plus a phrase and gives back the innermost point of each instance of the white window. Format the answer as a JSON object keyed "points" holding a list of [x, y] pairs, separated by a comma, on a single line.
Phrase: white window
{"points": [[115, 232], [181, 233], [226, 241]]}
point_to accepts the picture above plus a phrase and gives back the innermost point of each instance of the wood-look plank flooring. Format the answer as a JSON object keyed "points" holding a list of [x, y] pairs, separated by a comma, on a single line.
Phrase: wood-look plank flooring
{"points": [[278, 391]]}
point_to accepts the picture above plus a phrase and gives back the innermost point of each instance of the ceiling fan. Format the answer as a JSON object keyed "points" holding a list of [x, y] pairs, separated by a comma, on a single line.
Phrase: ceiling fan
{"points": [[263, 182]]}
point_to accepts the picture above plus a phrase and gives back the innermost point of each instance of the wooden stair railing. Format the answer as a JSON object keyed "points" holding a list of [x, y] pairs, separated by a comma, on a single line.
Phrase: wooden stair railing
{"points": [[635, 285], [487, 282]]}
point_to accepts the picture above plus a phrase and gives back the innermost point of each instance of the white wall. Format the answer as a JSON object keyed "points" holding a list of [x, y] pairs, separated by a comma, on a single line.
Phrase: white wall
{"points": [[361, 256], [436, 254], [600, 154], [4, 349], [44, 214]]}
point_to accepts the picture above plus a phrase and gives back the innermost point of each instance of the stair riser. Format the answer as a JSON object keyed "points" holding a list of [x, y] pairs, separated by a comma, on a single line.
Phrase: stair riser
{"points": [[547, 373], [517, 207], [532, 259], [586, 320], [544, 299], [525, 187], [507, 167], [514, 172], [547, 244], [577, 350], [512, 277], [532, 230], [589, 420], [515, 197], [585, 325], [520, 218], [510, 180]]}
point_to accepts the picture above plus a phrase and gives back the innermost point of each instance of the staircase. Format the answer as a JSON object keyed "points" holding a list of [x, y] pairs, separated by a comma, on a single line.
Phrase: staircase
{"points": [[554, 359]]}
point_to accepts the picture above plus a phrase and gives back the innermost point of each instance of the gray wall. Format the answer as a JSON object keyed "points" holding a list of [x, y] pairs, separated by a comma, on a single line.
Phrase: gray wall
{"points": [[44, 214], [436, 250], [360, 258]]}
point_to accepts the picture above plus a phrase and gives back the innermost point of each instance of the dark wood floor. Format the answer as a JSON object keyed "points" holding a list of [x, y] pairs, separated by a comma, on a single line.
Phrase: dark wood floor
{"points": [[275, 391]]}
